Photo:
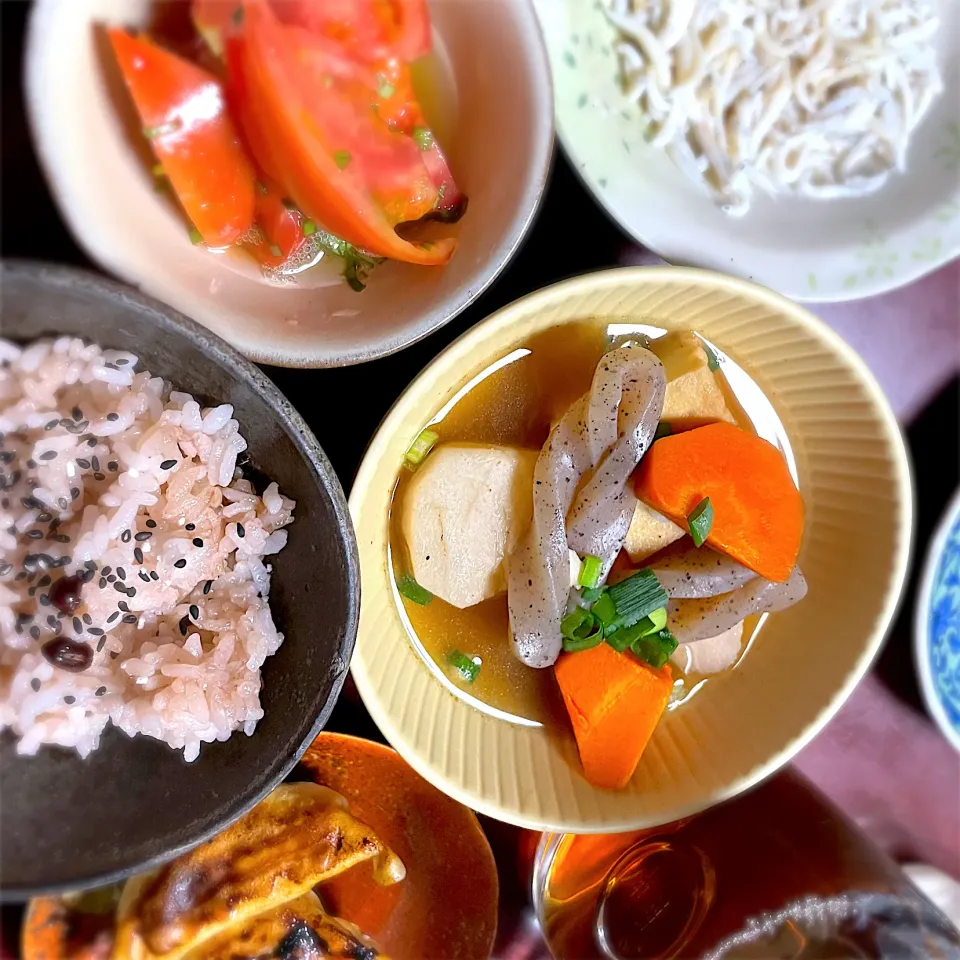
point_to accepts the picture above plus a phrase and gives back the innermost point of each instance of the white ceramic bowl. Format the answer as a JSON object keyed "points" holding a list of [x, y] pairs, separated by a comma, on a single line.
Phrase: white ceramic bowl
{"points": [[804, 249], [500, 152]]}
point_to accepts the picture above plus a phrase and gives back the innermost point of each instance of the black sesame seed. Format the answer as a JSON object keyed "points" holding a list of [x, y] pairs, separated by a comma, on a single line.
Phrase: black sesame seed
{"points": [[122, 361], [34, 534], [31, 463], [44, 600], [102, 641], [113, 417], [51, 620], [126, 536], [48, 455], [184, 625], [113, 653], [60, 538], [194, 611], [197, 542], [35, 684], [77, 625], [240, 531], [112, 578], [113, 616], [99, 476], [168, 464], [44, 580], [63, 503], [74, 492], [68, 699], [138, 555], [123, 606], [35, 633], [92, 442], [87, 619], [130, 618], [151, 523], [96, 463], [51, 424], [143, 576], [180, 564], [89, 564], [121, 573], [5, 568], [77, 413], [113, 466], [120, 587], [106, 571], [100, 691], [83, 464], [96, 631], [102, 582], [207, 586], [190, 527], [45, 517], [154, 575], [144, 534]]}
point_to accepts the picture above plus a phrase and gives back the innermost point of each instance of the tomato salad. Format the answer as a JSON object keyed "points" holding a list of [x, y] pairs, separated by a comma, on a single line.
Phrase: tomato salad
{"points": [[298, 134]]}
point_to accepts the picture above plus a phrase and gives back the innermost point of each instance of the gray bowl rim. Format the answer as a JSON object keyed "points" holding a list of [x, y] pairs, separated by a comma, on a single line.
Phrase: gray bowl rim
{"points": [[219, 351]]}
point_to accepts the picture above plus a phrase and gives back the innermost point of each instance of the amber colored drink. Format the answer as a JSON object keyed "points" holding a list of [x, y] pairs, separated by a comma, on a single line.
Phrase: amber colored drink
{"points": [[777, 873]]}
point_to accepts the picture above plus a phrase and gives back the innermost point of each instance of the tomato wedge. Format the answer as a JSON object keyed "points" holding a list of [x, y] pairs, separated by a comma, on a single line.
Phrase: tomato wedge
{"points": [[306, 111], [371, 30], [184, 115]]}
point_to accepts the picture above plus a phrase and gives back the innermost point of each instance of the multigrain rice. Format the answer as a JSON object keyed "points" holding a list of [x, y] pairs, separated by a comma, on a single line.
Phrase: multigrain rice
{"points": [[125, 495]]}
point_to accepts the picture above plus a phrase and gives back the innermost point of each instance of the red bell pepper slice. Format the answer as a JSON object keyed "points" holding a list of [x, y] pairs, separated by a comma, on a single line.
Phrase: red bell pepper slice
{"points": [[184, 115], [306, 110]]}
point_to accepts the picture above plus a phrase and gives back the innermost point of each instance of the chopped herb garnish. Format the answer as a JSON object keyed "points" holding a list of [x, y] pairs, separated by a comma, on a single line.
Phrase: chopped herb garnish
{"points": [[467, 667], [412, 590], [342, 158], [423, 138], [663, 430], [700, 521], [713, 361], [590, 572], [309, 228], [195, 236], [581, 630], [656, 648], [636, 597], [421, 447]]}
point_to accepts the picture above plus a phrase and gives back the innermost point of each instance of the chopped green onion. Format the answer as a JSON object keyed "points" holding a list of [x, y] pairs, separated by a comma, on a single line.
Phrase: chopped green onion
{"points": [[636, 597], [342, 158], [423, 138], [624, 637], [384, 87], [275, 251], [590, 572], [620, 640], [656, 648], [580, 630], [309, 228], [663, 430], [157, 170], [195, 236], [421, 447], [713, 361], [467, 667], [591, 594], [700, 521], [605, 610], [412, 590]]}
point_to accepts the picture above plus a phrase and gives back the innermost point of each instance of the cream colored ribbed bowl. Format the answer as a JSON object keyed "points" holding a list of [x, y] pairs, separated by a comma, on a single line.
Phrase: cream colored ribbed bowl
{"points": [[855, 480]]}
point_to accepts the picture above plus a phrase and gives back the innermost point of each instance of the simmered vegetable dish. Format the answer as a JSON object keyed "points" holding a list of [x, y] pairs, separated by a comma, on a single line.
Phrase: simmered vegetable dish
{"points": [[296, 132], [591, 530]]}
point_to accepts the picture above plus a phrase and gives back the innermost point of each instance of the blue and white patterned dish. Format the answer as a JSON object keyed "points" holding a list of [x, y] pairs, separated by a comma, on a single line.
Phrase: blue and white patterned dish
{"points": [[937, 626]]}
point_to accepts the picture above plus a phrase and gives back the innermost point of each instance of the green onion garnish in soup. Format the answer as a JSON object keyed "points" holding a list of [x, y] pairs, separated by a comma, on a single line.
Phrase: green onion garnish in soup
{"points": [[468, 668], [581, 630], [700, 521], [421, 447], [409, 588], [590, 572], [663, 430], [655, 649], [637, 597]]}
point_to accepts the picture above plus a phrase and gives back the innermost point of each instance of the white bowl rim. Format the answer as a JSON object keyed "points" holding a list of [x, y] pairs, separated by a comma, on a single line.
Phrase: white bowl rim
{"points": [[921, 620], [901, 469], [539, 175]]}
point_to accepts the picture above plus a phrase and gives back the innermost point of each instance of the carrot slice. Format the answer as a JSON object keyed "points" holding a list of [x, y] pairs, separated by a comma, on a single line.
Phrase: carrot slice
{"points": [[757, 509], [615, 702]]}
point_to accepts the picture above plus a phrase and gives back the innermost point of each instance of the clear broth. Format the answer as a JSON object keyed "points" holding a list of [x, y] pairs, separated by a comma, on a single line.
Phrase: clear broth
{"points": [[514, 402]]}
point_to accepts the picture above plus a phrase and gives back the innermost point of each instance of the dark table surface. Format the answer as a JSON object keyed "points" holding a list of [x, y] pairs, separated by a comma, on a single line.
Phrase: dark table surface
{"points": [[881, 759]]}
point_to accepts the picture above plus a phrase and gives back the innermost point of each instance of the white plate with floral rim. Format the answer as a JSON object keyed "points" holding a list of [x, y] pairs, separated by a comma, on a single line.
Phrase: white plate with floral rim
{"points": [[806, 249]]}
